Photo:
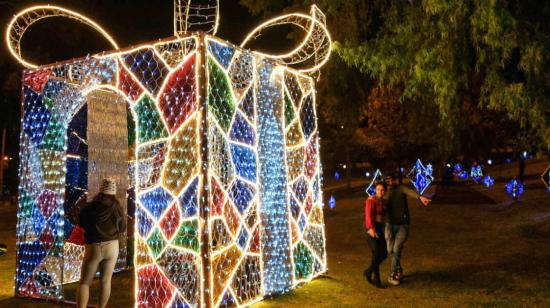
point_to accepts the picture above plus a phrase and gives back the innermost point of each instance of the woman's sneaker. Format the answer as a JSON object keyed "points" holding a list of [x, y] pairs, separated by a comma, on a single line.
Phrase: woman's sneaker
{"points": [[367, 274], [393, 281]]}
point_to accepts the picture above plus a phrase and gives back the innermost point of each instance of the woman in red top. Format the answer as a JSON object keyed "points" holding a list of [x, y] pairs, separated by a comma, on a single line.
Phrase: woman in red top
{"points": [[374, 211]]}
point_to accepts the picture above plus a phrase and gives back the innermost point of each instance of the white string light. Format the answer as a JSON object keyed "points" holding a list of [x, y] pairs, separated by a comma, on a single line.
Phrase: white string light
{"points": [[24, 19], [316, 47], [196, 15]]}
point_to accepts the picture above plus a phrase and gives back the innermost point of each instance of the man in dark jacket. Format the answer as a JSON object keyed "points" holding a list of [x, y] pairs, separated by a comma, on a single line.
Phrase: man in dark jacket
{"points": [[397, 223]]}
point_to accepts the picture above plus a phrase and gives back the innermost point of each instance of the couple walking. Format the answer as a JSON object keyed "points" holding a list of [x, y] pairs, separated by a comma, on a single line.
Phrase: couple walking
{"points": [[387, 224]]}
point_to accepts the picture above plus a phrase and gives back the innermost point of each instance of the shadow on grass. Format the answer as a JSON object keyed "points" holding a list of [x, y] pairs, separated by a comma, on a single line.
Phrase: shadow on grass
{"points": [[490, 277], [461, 193], [122, 294]]}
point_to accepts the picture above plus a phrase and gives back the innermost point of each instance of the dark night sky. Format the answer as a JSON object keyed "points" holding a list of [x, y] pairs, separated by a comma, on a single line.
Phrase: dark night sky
{"points": [[130, 22]]}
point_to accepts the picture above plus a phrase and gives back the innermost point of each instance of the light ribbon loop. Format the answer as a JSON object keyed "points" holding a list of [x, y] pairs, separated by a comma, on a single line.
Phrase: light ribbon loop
{"points": [[24, 19], [196, 15], [313, 52]]}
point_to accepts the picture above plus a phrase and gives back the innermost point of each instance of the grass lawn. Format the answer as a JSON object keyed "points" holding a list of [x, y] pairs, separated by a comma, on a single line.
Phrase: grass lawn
{"points": [[471, 247]]}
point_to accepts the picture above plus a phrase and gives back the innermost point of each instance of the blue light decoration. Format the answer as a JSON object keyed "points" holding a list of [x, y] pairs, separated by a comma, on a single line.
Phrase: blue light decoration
{"points": [[271, 152], [371, 189], [488, 181], [459, 172], [476, 173], [525, 154], [514, 188], [545, 177], [421, 176], [332, 202], [337, 176]]}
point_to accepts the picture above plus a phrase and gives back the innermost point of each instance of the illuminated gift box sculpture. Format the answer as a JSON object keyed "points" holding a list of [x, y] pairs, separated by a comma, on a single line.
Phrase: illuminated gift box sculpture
{"points": [[217, 145]]}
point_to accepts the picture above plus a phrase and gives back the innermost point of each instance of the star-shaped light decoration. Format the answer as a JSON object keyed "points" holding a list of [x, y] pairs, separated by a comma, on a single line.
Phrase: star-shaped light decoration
{"points": [[545, 177], [421, 176], [371, 189]]}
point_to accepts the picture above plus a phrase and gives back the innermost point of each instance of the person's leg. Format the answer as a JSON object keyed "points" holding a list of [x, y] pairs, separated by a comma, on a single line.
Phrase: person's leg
{"points": [[390, 234], [373, 267], [400, 238], [92, 257], [383, 248], [381, 254], [372, 246], [110, 254]]}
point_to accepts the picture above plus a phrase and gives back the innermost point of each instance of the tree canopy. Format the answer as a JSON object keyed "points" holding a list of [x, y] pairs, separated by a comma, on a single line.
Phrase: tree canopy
{"points": [[452, 55], [489, 53]]}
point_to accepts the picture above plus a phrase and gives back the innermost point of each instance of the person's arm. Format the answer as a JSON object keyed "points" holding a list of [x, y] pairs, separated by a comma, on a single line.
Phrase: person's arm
{"points": [[409, 191], [369, 217], [82, 216], [121, 221], [414, 194], [74, 214]]}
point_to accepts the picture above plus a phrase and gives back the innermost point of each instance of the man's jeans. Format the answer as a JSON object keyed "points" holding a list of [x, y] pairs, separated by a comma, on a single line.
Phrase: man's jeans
{"points": [[396, 235]]}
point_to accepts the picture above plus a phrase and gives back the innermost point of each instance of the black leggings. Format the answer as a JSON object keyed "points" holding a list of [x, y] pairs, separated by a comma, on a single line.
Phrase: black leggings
{"points": [[378, 249]]}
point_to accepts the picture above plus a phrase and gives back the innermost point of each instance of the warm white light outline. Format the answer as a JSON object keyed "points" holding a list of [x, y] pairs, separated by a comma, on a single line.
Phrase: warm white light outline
{"points": [[13, 38], [139, 191], [181, 40], [229, 141], [303, 144], [186, 27], [293, 56]]}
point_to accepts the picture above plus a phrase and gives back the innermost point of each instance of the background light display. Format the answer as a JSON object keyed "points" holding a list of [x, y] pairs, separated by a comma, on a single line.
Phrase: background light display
{"points": [[488, 181], [421, 176], [459, 172], [514, 188], [476, 173], [332, 202]]}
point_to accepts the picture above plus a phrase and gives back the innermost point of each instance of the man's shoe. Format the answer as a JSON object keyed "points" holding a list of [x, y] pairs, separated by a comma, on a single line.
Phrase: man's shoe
{"points": [[393, 281], [398, 275]]}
